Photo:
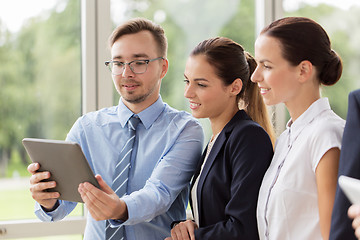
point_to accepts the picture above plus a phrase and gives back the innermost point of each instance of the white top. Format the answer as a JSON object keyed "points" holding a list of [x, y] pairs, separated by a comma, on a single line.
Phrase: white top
{"points": [[287, 203], [193, 190]]}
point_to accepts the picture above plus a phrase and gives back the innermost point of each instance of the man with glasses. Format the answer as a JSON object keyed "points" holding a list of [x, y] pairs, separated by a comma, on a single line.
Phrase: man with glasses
{"points": [[165, 147]]}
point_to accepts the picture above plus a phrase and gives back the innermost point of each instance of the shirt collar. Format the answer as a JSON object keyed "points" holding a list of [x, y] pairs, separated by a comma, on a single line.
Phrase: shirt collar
{"points": [[147, 116], [315, 109]]}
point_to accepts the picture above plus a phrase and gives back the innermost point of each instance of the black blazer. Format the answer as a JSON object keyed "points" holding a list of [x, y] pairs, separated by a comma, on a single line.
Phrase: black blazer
{"points": [[228, 187], [349, 165]]}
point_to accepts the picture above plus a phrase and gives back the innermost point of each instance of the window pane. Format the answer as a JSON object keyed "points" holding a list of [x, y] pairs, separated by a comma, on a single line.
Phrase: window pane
{"points": [[186, 23], [40, 88], [340, 20]]}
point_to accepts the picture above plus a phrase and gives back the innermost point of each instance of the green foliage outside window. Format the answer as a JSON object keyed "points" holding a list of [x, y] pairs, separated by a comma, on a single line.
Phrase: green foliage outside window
{"points": [[40, 84]]}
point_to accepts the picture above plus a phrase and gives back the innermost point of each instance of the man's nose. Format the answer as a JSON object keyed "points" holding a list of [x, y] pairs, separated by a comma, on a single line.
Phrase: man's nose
{"points": [[127, 72]]}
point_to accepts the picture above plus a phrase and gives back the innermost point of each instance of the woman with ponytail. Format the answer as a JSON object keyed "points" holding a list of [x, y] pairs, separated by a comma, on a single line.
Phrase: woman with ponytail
{"points": [[225, 187], [296, 197]]}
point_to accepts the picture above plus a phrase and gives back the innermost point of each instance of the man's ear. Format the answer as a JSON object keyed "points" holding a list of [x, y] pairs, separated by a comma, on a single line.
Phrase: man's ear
{"points": [[236, 87], [165, 67], [305, 70]]}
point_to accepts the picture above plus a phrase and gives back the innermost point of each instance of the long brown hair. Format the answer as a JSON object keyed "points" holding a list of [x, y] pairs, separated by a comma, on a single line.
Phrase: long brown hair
{"points": [[230, 62]]}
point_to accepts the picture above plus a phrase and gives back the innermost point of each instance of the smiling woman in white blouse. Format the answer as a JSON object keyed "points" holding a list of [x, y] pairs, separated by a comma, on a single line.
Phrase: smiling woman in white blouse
{"points": [[296, 197]]}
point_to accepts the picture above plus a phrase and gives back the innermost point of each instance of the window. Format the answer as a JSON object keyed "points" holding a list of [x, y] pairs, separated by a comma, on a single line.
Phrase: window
{"points": [[40, 90]]}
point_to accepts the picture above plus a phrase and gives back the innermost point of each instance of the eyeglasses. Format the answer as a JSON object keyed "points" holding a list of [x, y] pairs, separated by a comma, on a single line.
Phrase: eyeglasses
{"points": [[137, 66]]}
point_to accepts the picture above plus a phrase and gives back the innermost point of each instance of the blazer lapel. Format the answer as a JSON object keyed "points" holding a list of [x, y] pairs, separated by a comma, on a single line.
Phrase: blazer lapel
{"points": [[209, 162], [240, 115], [196, 174], [220, 141], [198, 167]]}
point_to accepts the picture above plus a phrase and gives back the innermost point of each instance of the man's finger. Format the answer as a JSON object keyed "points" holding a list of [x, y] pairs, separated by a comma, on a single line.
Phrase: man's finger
{"points": [[33, 167], [106, 188], [39, 176]]}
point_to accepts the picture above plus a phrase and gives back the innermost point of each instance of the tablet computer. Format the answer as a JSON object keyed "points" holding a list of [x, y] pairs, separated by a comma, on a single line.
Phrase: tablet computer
{"points": [[351, 188], [66, 163]]}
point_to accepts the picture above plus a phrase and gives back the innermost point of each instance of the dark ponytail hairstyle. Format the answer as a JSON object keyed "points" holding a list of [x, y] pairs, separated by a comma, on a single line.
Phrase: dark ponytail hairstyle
{"points": [[231, 61], [304, 39]]}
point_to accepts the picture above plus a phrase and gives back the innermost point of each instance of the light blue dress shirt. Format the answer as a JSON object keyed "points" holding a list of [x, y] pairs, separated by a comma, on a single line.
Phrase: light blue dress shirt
{"points": [[168, 146]]}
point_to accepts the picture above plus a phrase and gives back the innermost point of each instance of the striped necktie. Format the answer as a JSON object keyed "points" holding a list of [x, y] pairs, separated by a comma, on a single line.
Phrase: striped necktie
{"points": [[121, 175]]}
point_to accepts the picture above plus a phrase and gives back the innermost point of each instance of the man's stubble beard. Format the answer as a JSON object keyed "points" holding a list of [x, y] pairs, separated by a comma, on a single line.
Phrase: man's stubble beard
{"points": [[141, 98]]}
